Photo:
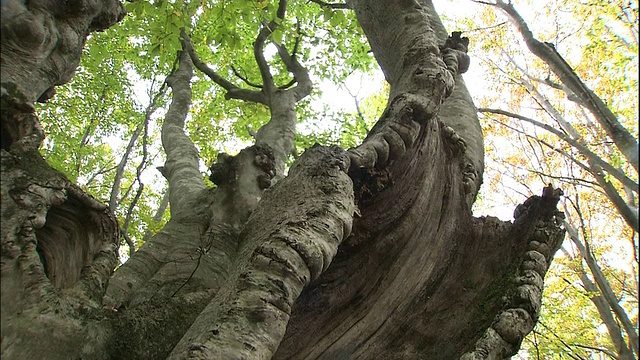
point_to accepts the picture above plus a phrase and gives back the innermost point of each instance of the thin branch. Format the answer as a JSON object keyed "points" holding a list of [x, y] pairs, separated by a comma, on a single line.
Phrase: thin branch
{"points": [[630, 215], [233, 92], [602, 350], [356, 101], [626, 143], [335, 6], [115, 189], [289, 84], [244, 79], [603, 308], [583, 149], [544, 102], [603, 285], [487, 27], [297, 41], [129, 241], [136, 198], [483, 2], [99, 172], [564, 343], [594, 169]]}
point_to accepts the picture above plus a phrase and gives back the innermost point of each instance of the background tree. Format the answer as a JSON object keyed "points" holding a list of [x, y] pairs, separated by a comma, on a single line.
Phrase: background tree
{"points": [[562, 131], [256, 265]]}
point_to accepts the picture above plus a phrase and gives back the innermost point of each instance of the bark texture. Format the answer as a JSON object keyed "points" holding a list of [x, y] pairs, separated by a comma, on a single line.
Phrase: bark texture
{"points": [[59, 248], [252, 269], [42, 40]]}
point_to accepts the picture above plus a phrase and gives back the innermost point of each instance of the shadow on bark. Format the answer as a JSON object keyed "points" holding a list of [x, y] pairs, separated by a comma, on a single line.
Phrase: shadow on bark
{"points": [[419, 276]]}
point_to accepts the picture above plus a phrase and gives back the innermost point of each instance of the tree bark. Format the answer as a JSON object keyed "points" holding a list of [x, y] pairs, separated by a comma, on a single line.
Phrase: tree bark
{"points": [[42, 40], [240, 271]]}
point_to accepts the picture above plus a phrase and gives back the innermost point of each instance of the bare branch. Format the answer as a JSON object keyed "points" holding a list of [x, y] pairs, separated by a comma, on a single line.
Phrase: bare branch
{"points": [[626, 143], [583, 149]]}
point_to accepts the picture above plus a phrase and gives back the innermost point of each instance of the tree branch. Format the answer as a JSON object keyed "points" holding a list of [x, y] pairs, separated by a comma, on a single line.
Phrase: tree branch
{"points": [[604, 286], [334, 6], [115, 189], [603, 308], [258, 47], [233, 92], [181, 166], [300, 73], [626, 143], [244, 79], [602, 350], [583, 149]]}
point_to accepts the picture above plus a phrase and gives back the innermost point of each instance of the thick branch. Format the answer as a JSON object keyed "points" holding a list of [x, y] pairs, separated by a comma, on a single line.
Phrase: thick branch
{"points": [[522, 308], [623, 139], [289, 240], [181, 167], [258, 47], [300, 73]]}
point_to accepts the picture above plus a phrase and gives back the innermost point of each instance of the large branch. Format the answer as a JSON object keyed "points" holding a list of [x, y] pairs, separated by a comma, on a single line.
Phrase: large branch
{"points": [[626, 143], [388, 289], [258, 47], [181, 167], [233, 92]]}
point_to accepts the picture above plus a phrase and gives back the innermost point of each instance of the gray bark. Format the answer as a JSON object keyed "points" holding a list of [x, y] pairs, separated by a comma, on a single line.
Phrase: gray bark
{"points": [[240, 271], [42, 41]]}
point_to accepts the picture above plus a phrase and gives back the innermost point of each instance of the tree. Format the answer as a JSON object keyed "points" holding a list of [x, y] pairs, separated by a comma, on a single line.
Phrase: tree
{"points": [[359, 253], [578, 141]]}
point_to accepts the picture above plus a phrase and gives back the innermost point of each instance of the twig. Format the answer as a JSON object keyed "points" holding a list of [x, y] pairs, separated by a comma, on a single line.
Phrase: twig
{"points": [[244, 79]]}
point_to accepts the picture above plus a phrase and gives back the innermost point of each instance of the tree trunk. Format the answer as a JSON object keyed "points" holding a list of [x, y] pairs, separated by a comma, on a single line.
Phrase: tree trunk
{"points": [[286, 272]]}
